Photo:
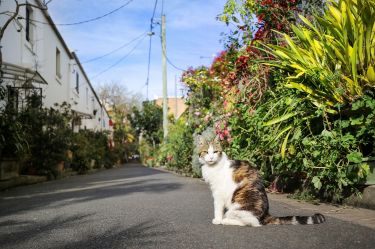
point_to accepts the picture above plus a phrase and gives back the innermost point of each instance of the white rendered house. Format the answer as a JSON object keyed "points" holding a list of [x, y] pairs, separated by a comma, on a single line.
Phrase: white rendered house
{"points": [[35, 56]]}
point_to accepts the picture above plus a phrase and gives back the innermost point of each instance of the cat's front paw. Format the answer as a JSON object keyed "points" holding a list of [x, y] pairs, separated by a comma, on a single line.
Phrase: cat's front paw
{"points": [[216, 221]]}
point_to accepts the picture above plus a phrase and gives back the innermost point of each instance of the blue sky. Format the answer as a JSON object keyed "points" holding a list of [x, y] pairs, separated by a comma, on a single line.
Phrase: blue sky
{"points": [[192, 31]]}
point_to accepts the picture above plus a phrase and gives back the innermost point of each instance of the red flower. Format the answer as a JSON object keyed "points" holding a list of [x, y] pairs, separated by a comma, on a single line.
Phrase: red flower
{"points": [[241, 61], [259, 34], [266, 2], [261, 17]]}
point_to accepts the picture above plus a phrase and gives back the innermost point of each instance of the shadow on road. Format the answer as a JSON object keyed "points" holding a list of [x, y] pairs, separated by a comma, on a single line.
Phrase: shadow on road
{"points": [[21, 232], [145, 234], [53, 232], [79, 189]]}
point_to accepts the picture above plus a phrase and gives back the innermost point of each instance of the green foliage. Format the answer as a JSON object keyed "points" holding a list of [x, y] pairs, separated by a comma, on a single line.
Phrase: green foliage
{"points": [[42, 138], [331, 61], [147, 153], [13, 141], [255, 19], [325, 154], [48, 136], [177, 150], [148, 122], [310, 117], [90, 150]]}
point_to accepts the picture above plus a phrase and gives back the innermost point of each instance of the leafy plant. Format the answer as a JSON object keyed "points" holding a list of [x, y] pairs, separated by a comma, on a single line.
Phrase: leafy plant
{"points": [[91, 147], [13, 141], [48, 135], [177, 150], [332, 61], [148, 122]]}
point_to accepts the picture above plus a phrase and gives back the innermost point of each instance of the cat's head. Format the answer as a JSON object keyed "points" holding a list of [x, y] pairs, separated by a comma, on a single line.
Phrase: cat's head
{"points": [[209, 151]]}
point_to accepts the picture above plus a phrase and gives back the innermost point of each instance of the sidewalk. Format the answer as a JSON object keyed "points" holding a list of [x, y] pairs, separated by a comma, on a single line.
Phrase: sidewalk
{"points": [[32, 179], [351, 211], [21, 180], [366, 201], [359, 216]]}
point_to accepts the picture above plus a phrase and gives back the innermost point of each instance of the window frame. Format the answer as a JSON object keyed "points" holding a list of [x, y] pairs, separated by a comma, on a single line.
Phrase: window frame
{"points": [[58, 63], [77, 83], [28, 28]]}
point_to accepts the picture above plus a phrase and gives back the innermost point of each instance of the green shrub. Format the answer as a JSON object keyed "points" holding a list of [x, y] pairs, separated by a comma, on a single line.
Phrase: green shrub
{"points": [[48, 135], [88, 147], [179, 145], [147, 153], [323, 153]]}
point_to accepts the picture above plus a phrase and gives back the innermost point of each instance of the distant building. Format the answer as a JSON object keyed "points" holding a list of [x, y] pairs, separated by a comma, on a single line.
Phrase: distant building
{"points": [[36, 59], [176, 106]]}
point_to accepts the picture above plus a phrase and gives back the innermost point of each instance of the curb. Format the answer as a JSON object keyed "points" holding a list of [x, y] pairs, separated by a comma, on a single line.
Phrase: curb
{"points": [[22, 180], [33, 179], [367, 200], [359, 216], [355, 215]]}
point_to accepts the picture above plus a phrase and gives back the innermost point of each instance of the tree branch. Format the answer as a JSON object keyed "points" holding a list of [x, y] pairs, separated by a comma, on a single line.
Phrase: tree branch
{"points": [[6, 24], [32, 5], [2, 30]]}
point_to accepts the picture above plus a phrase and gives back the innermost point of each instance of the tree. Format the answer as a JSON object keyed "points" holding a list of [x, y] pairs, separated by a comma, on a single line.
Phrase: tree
{"points": [[119, 103], [148, 122]]}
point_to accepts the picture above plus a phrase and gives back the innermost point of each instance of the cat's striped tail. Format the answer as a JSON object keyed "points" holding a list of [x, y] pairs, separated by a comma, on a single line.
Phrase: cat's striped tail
{"points": [[295, 220]]}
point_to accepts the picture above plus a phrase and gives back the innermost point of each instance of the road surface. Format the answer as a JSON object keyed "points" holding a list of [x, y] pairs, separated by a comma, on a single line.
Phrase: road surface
{"points": [[139, 207]]}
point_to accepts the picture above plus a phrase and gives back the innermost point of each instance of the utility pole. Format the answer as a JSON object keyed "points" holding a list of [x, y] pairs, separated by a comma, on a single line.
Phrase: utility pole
{"points": [[164, 65], [175, 95]]}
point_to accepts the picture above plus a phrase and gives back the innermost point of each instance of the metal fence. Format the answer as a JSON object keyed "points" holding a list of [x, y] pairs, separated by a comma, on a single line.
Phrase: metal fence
{"points": [[20, 98]]}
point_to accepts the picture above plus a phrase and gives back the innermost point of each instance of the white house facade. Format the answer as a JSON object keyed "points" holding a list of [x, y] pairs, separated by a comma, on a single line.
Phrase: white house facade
{"points": [[36, 56]]}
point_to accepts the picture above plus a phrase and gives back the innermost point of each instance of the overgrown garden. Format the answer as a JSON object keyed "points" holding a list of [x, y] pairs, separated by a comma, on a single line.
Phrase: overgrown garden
{"points": [[293, 91]]}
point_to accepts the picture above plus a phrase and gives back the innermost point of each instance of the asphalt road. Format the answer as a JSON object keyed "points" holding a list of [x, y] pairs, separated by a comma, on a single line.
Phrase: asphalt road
{"points": [[138, 207]]}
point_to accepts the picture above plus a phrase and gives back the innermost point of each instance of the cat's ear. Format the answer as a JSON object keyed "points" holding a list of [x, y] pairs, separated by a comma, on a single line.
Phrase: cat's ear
{"points": [[201, 140], [217, 143], [217, 139]]}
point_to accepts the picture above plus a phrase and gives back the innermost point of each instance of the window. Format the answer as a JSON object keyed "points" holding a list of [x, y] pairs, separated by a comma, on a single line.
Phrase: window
{"points": [[77, 82], [58, 63], [28, 23], [87, 97]]}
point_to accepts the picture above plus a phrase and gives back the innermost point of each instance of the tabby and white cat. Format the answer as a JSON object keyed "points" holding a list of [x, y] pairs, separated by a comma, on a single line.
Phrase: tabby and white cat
{"points": [[238, 192]]}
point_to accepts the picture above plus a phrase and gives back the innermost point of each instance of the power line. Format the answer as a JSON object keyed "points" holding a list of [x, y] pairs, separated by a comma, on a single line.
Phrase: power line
{"points": [[148, 65], [115, 50], [173, 65], [84, 21], [149, 47], [169, 61], [120, 60], [164, 52], [153, 13]]}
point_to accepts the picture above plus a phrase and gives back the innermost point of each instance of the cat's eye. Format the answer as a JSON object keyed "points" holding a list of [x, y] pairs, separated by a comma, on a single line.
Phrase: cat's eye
{"points": [[203, 153], [216, 151]]}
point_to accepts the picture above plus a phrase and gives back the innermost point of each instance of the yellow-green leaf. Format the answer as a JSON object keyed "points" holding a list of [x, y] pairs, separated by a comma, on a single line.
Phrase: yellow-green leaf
{"points": [[335, 13], [283, 146], [371, 74], [280, 119], [282, 132]]}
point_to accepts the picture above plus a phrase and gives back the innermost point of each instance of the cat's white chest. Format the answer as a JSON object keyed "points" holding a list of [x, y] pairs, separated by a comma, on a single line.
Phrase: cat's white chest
{"points": [[221, 182]]}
